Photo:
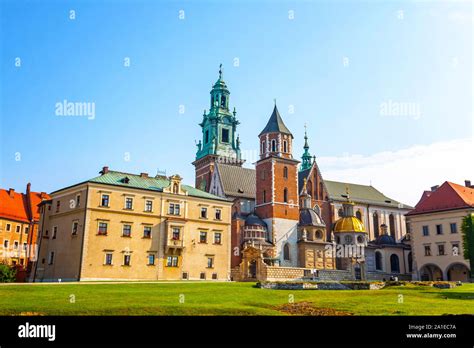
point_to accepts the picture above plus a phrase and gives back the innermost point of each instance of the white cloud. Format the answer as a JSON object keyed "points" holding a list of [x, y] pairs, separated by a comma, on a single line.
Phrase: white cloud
{"points": [[404, 174]]}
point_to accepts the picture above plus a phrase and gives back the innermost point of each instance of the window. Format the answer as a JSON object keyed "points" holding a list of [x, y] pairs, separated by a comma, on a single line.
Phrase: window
{"points": [[6, 243], [340, 212], [185, 275], [176, 232], [455, 249], [210, 262], [128, 203], [263, 147], [75, 226], [218, 214], [25, 246], [223, 101], [348, 239], [376, 224], [359, 215], [78, 200], [286, 252], [453, 227], [27, 229], [214, 275], [102, 228], [360, 239], [147, 232], [426, 231], [55, 232], [126, 260], [427, 250], [264, 196], [172, 261], [202, 275], [410, 262], [273, 145], [16, 245], [439, 229], [127, 230], [58, 205], [394, 264], [104, 202], [378, 261], [202, 237], [285, 172], [108, 259], [285, 146], [204, 213], [174, 209], [225, 135], [148, 206], [217, 238], [17, 230], [391, 223], [441, 249], [9, 227], [206, 137], [151, 259], [51, 258], [285, 195]]}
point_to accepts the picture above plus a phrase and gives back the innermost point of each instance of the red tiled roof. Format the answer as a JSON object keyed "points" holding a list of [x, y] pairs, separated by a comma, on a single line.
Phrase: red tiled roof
{"points": [[447, 197], [14, 206]]}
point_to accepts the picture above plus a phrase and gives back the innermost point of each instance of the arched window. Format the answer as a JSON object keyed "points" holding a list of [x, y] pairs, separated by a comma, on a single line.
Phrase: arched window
{"points": [[378, 261], [274, 145], [175, 188], [394, 264], [286, 252], [263, 147], [223, 101], [376, 225], [359, 215], [321, 191], [264, 196], [285, 172], [285, 146], [410, 262], [391, 220], [285, 195], [309, 187]]}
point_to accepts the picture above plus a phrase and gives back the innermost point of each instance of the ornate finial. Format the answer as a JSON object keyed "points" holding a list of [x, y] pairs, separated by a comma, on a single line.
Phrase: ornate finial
{"points": [[204, 114], [306, 146], [220, 71], [275, 101], [347, 193]]}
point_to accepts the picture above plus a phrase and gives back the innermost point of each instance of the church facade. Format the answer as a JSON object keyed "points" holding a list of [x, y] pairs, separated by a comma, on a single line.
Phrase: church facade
{"points": [[287, 221]]}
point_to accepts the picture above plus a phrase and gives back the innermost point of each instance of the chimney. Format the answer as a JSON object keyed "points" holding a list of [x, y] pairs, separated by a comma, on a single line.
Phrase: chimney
{"points": [[28, 188], [143, 175], [104, 170], [11, 192], [434, 188], [467, 183], [43, 195]]}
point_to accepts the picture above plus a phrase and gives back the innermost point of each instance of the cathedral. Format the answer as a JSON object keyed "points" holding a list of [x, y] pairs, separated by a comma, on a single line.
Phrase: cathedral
{"points": [[287, 221]]}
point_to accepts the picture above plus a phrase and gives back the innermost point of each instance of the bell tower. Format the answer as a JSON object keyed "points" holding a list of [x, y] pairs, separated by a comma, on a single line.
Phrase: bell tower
{"points": [[219, 143]]}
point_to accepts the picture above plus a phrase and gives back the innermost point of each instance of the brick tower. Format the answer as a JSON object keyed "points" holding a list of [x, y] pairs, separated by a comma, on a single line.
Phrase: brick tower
{"points": [[277, 188]]}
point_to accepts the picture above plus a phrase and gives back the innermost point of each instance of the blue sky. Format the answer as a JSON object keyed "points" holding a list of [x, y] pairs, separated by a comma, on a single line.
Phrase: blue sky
{"points": [[335, 63]]}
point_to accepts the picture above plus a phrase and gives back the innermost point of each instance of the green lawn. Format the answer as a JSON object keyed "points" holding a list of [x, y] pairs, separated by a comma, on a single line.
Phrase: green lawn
{"points": [[163, 298]]}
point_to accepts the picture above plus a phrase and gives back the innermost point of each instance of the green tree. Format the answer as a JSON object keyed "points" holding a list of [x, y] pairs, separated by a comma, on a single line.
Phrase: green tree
{"points": [[467, 229], [7, 274]]}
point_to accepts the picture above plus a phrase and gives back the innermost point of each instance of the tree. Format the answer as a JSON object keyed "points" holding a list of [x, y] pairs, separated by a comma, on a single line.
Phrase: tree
{"points": [[7, 274], [467, 229]]}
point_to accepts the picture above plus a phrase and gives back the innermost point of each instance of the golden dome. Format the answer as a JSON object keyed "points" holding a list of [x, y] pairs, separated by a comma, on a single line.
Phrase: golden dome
{"points": [[349, 224]]}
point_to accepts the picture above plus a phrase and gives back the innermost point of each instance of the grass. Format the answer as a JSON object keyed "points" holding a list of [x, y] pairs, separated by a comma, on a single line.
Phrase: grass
{"points": [[224, 299]]}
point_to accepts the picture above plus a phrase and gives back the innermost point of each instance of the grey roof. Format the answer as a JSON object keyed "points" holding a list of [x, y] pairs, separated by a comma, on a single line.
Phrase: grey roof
{"points": [[308, 217], [301, 176], [237, 181], [275, 124], [254, 220]]}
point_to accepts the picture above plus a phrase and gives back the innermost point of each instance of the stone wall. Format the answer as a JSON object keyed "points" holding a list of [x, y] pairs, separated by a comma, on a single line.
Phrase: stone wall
{"points": [[335, 274], [381, 276], [288, 273]]}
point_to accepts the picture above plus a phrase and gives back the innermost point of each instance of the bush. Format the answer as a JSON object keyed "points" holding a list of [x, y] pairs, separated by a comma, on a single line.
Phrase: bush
{"points": [[7, 274]]}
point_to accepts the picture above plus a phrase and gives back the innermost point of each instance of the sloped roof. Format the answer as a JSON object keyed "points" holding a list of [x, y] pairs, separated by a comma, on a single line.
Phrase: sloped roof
{"points": [[15, 206], [360, 194], [237, 181], [448, 196], [275, 124]]}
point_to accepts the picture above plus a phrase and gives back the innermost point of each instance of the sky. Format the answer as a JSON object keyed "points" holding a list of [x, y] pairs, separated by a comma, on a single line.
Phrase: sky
{"points": [[384, 87]]}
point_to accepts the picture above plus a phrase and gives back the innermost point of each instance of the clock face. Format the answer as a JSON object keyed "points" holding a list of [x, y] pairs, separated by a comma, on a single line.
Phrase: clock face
{"points": [[348, 239]]}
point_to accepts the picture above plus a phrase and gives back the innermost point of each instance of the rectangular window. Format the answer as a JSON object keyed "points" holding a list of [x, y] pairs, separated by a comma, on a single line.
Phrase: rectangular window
{"points": [[78, 200], [55, 232], [455, 249], [126, 260], [9, 227], [176, 232], [185, 275], [174, 209], [58, 205], [225, 135], [147, 232], [206, 137], [172, 261], [148, 206], [202, 237], [127, 230], [51, 258], [439, 229], [16, 245], [426, 231], [105, 201], [18, 227], [454, 228], [25, 246], [427, 250], [75, 226], [108, 259], [129, 203], [214, 276], [202, 275], [217, 238], [218, 214], [27, 229], [204, 213], [6, 243], [441, 249], [102, 228], [151, 259], [210, 262]]}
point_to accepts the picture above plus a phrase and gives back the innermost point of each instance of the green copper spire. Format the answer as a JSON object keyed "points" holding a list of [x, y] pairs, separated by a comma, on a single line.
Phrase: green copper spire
{"points": [[306, 163], [219, 126]]}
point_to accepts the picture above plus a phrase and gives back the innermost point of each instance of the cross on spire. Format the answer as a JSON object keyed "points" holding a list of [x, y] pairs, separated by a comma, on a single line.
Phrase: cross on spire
{"points": [[220, 71]]}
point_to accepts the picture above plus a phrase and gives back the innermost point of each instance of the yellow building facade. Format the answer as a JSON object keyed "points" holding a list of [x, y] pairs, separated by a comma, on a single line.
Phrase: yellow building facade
{"points": [[122, 226]]}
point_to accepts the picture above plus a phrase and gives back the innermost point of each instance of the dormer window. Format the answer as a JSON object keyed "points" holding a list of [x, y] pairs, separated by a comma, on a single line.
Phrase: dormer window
{"points": [[126, 180]]}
